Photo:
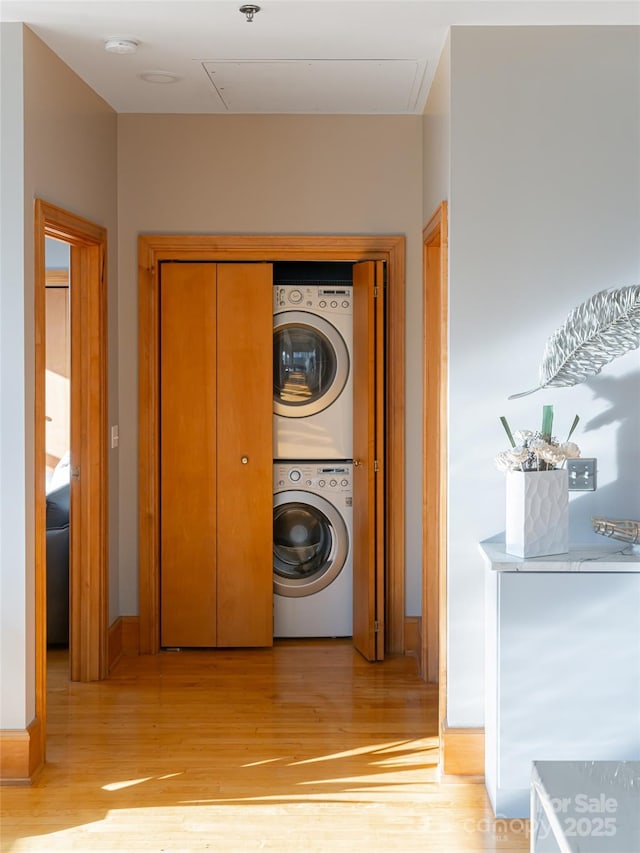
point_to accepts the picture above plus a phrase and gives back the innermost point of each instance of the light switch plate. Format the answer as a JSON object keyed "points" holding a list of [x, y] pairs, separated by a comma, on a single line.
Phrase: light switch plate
{"points": [[582, 475]]}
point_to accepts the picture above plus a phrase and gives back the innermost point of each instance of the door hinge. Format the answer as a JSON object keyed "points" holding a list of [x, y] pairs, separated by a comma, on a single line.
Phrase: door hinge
{"points": [[375, 464], [375, 292], [74, 471], [376, 626]]}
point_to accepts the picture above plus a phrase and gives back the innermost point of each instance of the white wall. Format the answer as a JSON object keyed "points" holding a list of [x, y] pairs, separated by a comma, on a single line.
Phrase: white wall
{"points": [[436, 137], [544, 212], [17, 665], [270, 175]]}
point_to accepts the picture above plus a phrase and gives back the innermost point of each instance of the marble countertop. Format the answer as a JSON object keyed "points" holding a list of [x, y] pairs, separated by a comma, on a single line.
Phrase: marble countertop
{"points": [[590, 806], [593, 557]]}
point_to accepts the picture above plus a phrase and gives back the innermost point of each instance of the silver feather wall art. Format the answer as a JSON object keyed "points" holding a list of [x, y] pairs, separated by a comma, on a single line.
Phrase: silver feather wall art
{"points": [[604, 327]]}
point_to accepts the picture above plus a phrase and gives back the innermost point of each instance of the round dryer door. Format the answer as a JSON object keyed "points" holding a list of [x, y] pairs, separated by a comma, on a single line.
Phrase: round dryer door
{"points": [[310, 543], [310, 364]]}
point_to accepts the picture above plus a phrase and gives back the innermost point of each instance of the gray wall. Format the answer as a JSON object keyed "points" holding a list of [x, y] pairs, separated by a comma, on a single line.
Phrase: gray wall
{"points": [[544, 212], [70, 160], [17, 661]]}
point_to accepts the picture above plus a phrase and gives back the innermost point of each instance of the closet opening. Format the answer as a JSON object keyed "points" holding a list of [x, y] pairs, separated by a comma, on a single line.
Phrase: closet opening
{"points": [[296, 264]]}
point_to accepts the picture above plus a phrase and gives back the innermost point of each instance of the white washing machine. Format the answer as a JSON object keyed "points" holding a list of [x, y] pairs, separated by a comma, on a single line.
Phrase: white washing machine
{"points": [[312, 375], [312, 549]]}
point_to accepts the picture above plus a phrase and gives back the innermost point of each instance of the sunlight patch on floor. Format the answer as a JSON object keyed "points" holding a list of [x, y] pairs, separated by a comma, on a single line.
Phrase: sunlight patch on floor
{"points": [[259, 763], [416, 745], [129, 783]]}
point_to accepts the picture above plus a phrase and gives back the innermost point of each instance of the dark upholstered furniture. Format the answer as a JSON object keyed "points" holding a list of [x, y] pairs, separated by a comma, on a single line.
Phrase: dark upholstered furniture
{"points": [[58, 566]]}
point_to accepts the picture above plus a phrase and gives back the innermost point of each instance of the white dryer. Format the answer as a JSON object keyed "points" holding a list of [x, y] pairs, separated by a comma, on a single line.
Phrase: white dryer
{"points": [[312, 549], [312, 373]]}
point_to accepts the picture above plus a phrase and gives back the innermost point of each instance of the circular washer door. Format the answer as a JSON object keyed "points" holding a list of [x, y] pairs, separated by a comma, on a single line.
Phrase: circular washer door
{"points": [[310, 543], [310, 364]]}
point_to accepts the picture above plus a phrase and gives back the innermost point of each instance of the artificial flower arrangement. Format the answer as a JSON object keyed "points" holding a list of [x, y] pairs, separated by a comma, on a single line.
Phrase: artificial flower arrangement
{"points": [[537, 450]]}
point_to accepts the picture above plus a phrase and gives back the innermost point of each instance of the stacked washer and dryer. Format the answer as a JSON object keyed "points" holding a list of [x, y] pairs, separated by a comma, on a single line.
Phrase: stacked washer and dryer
{"points": [[312, 470]]}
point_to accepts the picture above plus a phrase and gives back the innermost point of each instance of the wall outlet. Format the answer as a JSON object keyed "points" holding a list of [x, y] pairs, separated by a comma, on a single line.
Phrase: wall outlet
{"points": [[582, 475]]}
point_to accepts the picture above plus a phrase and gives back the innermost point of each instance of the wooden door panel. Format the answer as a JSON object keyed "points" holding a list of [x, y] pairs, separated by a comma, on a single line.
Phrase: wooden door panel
{"points": [[380, 486], [88, 546], [245, 487], [188, 454], [368, 408]]}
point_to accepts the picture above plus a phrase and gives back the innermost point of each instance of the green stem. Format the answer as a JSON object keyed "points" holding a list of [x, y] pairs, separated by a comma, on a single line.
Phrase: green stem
{"points": [[547, 423], [504, 423], [573, 426]]}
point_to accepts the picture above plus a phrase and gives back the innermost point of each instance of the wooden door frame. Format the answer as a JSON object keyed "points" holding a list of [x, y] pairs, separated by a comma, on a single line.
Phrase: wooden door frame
{"points": [[434, 458], [154, 248], [88, 619], [461, 749]]}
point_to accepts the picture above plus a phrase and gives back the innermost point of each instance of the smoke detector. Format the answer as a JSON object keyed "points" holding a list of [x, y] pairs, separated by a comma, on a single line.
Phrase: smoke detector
{"points": [[118, 45]]}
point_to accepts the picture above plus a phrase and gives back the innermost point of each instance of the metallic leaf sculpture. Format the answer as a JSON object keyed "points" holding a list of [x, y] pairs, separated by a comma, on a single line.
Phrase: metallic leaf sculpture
{"points": [[601, 329]]}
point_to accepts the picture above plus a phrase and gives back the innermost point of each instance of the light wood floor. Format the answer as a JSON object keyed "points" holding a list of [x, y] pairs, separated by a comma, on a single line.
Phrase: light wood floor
{"points": [[303, 747]]}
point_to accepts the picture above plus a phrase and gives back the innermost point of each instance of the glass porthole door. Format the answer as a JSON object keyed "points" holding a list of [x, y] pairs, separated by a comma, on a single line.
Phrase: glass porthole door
{"points": [[310, 364], [310, 543]]}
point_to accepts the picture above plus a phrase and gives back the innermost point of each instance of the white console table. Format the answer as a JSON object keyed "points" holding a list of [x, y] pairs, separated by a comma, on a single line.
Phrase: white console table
{"points": [[562, 674], [585, 807]]}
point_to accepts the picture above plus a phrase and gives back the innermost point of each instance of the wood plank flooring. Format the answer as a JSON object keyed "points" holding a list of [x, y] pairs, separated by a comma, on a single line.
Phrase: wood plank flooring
{"points": [[303, 747]]}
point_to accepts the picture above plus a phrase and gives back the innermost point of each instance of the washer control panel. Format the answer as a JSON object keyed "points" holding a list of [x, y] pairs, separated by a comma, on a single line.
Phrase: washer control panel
{"points": [[316, 476], [329, 299]]}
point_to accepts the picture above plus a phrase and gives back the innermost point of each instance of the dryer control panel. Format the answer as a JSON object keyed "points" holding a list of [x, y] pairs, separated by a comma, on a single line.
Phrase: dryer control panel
{"points": [[329, 299], [319, 477]]}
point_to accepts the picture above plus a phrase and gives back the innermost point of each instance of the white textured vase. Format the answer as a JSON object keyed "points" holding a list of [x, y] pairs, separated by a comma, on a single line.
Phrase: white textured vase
{"points": [[537, 513]]}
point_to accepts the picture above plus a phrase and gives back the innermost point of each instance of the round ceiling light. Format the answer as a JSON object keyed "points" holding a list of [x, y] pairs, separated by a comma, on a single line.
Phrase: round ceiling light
{"points": [[117, 45], [159, 77]]}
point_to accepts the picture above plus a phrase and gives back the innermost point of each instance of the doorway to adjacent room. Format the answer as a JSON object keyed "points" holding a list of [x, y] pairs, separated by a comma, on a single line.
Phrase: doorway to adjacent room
{"points": [[87, 437]]}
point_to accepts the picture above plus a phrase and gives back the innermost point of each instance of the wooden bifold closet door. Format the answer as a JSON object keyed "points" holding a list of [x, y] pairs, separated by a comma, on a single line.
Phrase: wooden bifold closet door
{"points": [[216, 392]]}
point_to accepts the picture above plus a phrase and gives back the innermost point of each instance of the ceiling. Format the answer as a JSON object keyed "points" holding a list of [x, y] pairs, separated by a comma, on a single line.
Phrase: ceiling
{"points": [[296, 56]]}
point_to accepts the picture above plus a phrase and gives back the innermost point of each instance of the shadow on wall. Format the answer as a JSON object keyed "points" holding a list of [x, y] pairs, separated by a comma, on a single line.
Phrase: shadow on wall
{"points": [[623, 395], [621, 497], [622, 392]]}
